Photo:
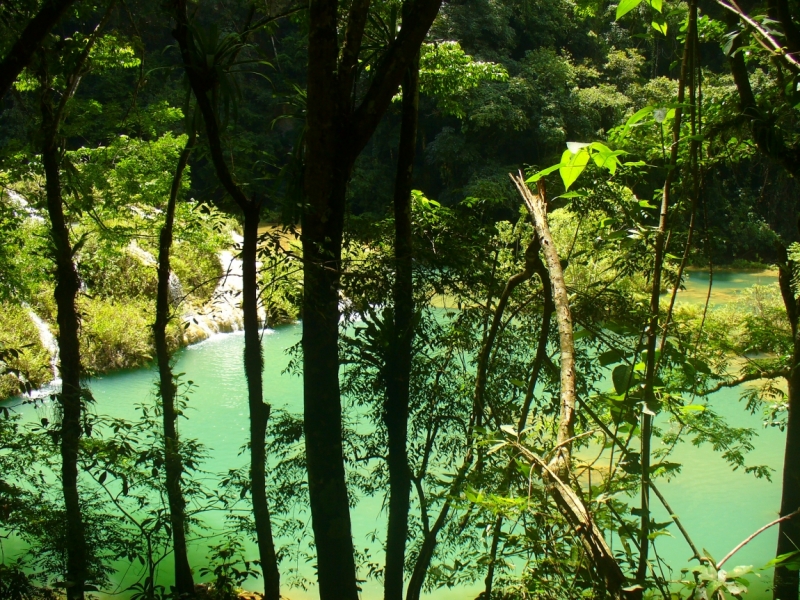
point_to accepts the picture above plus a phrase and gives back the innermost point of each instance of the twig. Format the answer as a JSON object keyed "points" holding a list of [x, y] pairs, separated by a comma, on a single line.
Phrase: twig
{"points": [[750, 538], [776, 48]]}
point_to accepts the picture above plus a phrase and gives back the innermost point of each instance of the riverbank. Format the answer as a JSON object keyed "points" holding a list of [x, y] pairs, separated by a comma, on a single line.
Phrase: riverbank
{"points": [[117, 307]]}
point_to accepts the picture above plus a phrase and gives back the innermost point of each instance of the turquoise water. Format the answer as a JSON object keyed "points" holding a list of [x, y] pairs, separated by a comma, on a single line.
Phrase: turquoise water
{"points": [[718, 507]]}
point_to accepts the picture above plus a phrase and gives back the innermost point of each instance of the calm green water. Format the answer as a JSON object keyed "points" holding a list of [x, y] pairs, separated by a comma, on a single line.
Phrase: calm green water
{"points": [[718, 507]]}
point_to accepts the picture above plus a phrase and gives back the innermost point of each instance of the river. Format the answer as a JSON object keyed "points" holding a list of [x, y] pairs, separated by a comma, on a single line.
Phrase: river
{"points": [[719, 507]]}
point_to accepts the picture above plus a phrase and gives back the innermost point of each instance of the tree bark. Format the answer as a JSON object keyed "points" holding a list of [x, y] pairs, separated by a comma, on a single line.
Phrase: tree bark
{"points": [[537, 206], [70, 398], [173, 464], [786, 582], [336, 132], [259, 410], [29, 41], [202, 82], [556, 472], [399, 365]]}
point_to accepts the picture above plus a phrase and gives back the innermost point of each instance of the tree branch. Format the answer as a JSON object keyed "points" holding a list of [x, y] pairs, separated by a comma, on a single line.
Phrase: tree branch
{"points": [[29, 42], [391, 70]]}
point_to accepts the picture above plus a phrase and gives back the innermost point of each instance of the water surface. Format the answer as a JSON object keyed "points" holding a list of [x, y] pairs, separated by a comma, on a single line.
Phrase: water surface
{"points": [[718, 506]]}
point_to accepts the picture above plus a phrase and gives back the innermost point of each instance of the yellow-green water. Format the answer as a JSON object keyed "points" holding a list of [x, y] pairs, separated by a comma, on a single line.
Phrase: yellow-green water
{"points": [[719, 507]]}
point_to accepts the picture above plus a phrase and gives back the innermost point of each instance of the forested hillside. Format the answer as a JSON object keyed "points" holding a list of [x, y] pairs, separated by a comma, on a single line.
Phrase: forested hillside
{"points": [[399, 298]]}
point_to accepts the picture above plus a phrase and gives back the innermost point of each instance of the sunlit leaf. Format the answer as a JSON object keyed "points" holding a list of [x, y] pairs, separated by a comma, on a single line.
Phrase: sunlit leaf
{"points": [[572, 165], [626, 6]]}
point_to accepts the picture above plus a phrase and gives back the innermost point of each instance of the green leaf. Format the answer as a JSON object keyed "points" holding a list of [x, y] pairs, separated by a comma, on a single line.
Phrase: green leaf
{"points": [[537, 176], [621, 376], [626, 6], [610, 357], [573, 194], [639, 115], [660, 27], [572, 165], [655, 4]]}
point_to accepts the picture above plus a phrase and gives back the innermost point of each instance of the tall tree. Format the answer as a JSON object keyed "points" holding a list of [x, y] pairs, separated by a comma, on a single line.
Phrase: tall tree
{"points": [[338, 127], [71, 397], [173, 465], [399, 363], [203, 75]]}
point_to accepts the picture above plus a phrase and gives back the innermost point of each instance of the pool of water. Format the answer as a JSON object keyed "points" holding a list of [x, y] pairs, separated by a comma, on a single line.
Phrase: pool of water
{"points": [[718, 506], [727, 284]]}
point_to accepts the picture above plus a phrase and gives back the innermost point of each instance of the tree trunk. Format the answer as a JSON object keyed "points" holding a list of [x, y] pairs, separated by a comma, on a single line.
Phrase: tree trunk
{"points": [[328, 166], [259, 410], [399, 364], [70, 398], [29, 41], [537, 206], [786, 582], [173, 465], [330, 512], [336, 131], [202, 83], [556, 472]]}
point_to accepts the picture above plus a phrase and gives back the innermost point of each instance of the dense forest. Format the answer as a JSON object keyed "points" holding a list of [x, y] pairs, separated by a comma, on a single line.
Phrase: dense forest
{"points": [[402, 298]]}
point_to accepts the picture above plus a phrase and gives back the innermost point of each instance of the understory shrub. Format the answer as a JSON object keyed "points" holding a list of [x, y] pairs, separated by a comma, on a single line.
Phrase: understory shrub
{"points": [[198, 268], [115, 335]]}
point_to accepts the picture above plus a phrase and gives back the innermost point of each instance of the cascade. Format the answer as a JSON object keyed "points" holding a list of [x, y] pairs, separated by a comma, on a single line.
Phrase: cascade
{"points": [[49, 342], [223, 314], [175, 289]]}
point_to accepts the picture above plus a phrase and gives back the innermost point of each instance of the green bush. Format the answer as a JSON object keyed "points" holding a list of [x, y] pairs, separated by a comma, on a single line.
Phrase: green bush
{"points": [[115, 335], [198, 269], [115, 271], [26, 355]]}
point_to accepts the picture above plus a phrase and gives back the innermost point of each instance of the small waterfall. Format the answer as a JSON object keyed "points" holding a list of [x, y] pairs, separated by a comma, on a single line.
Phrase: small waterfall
{"points": [[143, 255], [23, 205], [223, 314], [50, 344], [175, 290]]}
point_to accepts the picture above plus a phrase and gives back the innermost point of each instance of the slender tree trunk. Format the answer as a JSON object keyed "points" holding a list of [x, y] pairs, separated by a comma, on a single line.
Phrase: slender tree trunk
{"points": [[29, 41], [173, 464], [70, 398], [537, 206], [336, 131], [202, 83], [414, 591], [786, 582], [259, 410], [399, 367], [649, 406]]}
